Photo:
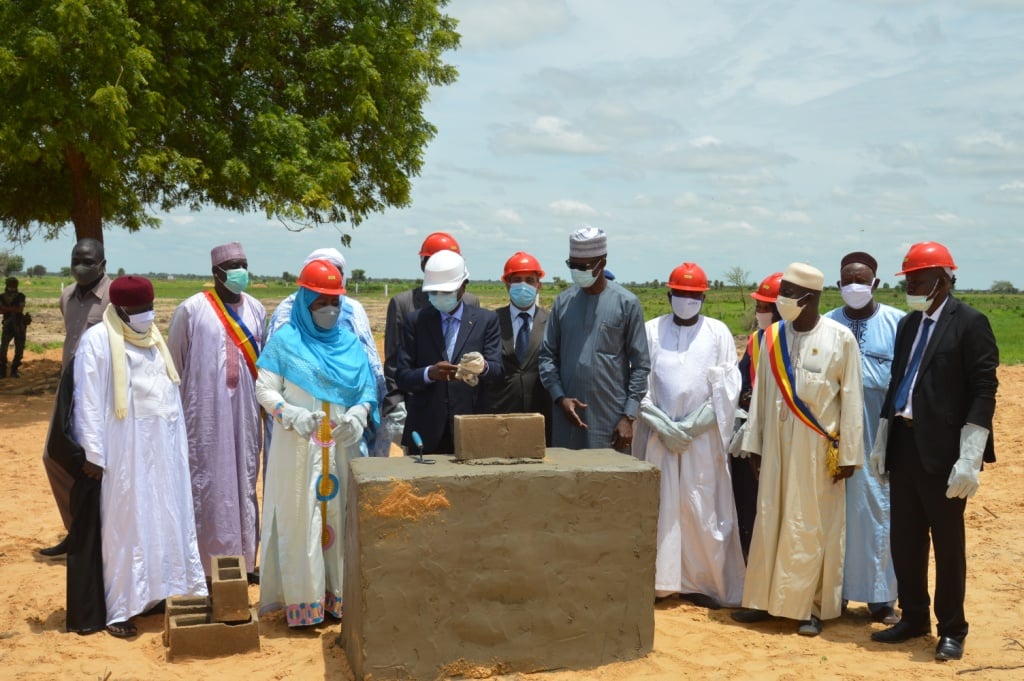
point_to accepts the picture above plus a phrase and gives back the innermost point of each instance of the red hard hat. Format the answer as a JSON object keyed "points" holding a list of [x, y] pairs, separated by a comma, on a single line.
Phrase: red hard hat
{"points": [[522, 262], [688, 277], [925, 255], [438, 241], [322, 277], [768, 291]]}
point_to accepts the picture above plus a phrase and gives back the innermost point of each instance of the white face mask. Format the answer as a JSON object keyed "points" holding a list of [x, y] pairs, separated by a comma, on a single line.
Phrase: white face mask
{"points": [[141, 322], [856, 296], [686, 308], [583, 278], [789, 308], [326, 317], [764, 319], [921, 303]]}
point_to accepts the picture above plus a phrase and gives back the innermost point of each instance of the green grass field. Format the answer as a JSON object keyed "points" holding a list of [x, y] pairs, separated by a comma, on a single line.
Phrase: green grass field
{"points": [[735, 308]]}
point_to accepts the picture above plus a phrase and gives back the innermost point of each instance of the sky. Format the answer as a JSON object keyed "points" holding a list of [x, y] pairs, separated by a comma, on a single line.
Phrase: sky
{"points": [[729, 133]]}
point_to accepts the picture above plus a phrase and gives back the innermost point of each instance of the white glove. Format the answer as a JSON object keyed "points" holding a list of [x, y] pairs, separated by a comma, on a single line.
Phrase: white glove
{"points": [[739, 429], [876, 460], [668, 432], [350, 429], [471, 366], [395, 423], [303, 421], [698, 421], [963, 479]]}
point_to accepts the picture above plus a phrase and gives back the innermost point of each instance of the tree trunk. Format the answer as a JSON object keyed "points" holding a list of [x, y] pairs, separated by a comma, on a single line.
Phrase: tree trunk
{"points": [[85, 211]]}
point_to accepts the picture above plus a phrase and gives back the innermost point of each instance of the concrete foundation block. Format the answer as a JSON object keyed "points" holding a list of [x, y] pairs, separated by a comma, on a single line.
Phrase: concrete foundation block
{"points": [[507, 436], [183, 605], [194, 635], [517, 567], [229, 590]]}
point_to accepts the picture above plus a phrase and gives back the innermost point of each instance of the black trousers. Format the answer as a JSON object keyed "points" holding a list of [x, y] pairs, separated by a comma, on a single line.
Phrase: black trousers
{"points": [[921, 512], [17, 334], [744, 492]]}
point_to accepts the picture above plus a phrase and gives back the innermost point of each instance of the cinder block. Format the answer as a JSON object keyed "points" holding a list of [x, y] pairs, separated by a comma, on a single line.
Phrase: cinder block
{"points": [[229, 589], [521, 567], [194, 635], [183, 605], [507, 436]]}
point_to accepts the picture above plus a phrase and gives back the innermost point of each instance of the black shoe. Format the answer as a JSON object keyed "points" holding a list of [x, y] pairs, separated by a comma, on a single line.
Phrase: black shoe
{"points": [[884, 614], [702, 601], [900, 632], [749, 616], [58, 550], [949, 648], [811, 627], [252, 577]]}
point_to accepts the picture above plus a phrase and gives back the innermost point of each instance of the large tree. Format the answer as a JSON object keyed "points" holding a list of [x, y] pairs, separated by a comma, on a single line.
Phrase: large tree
{"points": [[309, 110]]}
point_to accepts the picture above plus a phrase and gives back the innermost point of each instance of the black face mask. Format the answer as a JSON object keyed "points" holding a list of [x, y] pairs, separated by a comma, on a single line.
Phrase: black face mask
{"points": [[85, 274]]}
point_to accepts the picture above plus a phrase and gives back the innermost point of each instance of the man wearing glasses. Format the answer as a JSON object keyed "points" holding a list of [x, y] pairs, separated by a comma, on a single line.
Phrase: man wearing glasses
{"points": [[594, 360]]}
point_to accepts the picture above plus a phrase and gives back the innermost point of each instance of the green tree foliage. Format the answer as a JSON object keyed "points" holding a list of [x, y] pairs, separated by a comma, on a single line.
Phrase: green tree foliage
{"points": [[740, 278], [358, 276], [1002, 286], [307, 110], [37, 270], [10, 262]]}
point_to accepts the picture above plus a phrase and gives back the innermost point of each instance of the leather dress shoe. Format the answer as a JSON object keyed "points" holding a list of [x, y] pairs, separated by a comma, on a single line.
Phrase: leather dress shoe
{"points": [[702, 601], [900, 632], [811, 627], [57, 550], [949, 648], [749, 615]]}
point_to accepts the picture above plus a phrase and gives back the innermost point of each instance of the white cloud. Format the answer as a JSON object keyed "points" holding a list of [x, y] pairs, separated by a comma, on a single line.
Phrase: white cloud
{"points": [[546, 134], [570, 208], [795, 217], [506, 24], [710, 154], [508, 216], [1011, 193]]}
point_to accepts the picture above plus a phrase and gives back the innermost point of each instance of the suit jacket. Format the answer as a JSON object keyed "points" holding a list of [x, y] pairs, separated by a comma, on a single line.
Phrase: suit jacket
{"points": [[431, 406], [401, 307], [520, 391], [956, 382]]}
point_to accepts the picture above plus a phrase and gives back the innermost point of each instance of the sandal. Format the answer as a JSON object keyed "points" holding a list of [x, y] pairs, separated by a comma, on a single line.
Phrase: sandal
{"points": [[122, 630]]}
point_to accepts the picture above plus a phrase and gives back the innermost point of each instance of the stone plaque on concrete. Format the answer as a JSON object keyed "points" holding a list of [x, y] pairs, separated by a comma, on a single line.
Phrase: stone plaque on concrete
{"points": [[518, 567]]}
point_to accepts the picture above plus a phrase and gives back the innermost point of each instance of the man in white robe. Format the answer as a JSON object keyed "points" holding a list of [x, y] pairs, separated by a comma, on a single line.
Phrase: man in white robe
{"points": [[214, 340], [795, 567], [128, 419], [684, 429]]}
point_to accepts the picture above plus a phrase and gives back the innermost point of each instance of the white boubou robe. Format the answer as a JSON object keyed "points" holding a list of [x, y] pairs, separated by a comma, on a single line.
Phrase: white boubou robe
{"points": [[698, 536]]}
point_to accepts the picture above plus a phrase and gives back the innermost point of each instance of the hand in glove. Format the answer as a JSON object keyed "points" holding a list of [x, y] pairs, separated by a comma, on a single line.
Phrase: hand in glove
{"points": [[670, 435], [739, 429], [303, 421], [699, 421], [471, 366], [876, 460], [395, 423], [963, 479], [351, 427]]}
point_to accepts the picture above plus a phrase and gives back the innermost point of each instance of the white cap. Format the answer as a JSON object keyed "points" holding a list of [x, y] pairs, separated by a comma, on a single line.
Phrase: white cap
{"points": [[445, 271], [804, 275]]}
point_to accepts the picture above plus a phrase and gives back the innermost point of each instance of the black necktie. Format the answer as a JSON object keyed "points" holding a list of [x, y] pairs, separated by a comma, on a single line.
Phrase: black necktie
{"points": [[903, 390], [523, 337]]}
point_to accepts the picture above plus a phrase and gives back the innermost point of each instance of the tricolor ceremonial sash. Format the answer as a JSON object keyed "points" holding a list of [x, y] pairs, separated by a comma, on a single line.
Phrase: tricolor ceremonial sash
{"points": [[237, 331], [754, 353], [782, 368]]}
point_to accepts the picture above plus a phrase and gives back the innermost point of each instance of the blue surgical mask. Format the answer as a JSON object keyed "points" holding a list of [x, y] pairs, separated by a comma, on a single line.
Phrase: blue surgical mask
{"points": [[922, 303], [326, 317], [523, 295], [444, 301], [236, 280], [583, 278]]}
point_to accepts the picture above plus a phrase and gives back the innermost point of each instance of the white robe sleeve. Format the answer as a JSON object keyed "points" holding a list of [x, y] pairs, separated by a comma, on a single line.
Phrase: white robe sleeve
{"points": [[93, 396]]}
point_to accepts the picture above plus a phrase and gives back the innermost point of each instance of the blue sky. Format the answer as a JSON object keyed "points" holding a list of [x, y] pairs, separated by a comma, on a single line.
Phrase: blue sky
{"points": [[722, 132]]}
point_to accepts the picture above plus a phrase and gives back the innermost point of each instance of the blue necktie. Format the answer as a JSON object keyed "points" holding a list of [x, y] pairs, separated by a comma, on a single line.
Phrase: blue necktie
{"points": [[450, 332], [523, 337], [903, 390]]}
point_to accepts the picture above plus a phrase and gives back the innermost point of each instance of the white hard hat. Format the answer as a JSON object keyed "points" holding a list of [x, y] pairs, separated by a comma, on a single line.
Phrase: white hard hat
{"points": [[444, 271]]}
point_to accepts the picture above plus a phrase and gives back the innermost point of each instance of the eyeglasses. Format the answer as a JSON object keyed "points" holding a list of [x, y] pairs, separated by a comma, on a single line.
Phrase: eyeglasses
{"points": [[581, 266]]}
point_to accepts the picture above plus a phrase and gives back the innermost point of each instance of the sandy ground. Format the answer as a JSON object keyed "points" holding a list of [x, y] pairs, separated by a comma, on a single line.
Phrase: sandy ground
{"points": [[689, 642]]}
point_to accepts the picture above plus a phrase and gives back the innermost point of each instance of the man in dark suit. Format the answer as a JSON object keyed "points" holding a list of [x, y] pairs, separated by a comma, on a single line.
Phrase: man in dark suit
{"points": [[400, 308], [522, 332], [936, 429], [447, 349]]}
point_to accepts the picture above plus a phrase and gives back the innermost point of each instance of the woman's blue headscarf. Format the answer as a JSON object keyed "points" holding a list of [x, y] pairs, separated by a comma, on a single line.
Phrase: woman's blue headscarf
{"points": [[329, 364]]}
